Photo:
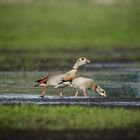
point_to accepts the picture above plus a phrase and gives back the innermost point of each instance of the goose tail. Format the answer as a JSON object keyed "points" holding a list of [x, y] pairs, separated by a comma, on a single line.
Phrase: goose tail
{"points": [[41, 81]]}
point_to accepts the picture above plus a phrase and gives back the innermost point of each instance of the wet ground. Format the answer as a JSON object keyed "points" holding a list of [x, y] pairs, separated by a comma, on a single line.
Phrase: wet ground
{"points": [[56, 100], [120, 80]]}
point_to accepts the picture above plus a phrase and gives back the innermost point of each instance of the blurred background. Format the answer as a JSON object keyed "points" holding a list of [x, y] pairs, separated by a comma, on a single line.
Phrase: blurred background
{"points": [[48, 35]]}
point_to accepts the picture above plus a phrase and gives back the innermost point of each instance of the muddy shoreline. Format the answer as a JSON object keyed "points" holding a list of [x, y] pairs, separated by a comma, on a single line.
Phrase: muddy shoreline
{"points": [[106, 134], [56, 100]]}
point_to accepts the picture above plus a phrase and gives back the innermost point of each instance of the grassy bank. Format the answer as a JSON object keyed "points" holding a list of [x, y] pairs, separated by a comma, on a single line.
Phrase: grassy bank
{"points": [[67, 23], [67, 118]]}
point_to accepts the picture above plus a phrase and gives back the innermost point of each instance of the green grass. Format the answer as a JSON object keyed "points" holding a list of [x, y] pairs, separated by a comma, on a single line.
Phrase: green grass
{"points": [[38, 33], [69, 23], [62, 117]]}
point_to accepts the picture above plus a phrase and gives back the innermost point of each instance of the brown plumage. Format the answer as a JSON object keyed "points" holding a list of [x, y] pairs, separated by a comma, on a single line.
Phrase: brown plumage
{"points": [[41, 81]]}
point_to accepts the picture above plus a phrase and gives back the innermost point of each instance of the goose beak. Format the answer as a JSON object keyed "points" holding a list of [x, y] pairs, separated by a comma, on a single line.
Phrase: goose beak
{"points": [[88, 61]]}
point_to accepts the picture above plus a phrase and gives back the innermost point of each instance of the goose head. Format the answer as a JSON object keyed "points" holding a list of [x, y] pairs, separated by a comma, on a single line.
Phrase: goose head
{"points": [[81, 61], [101, 91]]}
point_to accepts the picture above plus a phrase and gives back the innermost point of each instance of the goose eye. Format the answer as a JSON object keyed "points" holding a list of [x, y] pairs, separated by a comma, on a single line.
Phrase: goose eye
{"points": [[103, 92], [82, 58]]}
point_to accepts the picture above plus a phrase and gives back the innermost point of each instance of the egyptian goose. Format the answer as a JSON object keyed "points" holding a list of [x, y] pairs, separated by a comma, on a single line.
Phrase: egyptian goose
{"points": [[61, 80], [82, 83], [70, 75]]}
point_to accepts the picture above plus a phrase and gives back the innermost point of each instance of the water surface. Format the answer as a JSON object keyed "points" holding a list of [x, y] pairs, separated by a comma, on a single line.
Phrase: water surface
{"points": [[118, 79]]}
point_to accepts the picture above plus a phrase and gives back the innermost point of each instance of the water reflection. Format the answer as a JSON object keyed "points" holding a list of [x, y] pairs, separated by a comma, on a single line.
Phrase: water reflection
{"points": [[117, 83]]}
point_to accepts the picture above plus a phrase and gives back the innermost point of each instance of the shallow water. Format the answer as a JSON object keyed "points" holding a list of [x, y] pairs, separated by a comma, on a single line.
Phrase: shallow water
{"points": [[16, 99], [118, 79]]}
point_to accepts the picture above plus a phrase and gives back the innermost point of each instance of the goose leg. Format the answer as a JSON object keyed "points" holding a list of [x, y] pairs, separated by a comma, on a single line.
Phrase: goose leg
{"points": [[61, 92], [43, 91], [76, 94], [84, 92]]}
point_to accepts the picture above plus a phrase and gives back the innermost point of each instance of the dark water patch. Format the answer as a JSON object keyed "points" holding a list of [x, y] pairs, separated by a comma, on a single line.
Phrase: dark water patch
{"points": [[102, 134], [56, 100], [114, 65]]}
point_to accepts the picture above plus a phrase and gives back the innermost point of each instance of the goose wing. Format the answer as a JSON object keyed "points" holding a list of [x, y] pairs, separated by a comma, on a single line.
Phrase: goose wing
{"points": [[50, 78]]}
